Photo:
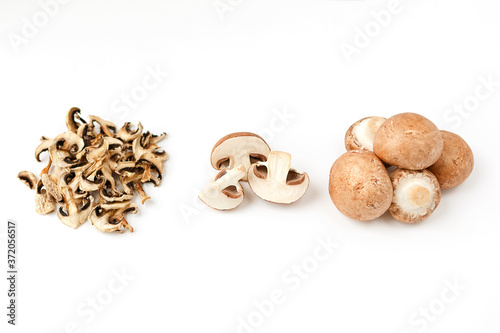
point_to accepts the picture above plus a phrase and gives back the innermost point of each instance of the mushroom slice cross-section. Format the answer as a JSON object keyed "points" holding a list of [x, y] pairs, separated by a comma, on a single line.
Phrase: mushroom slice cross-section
{"points": [[43, 146], [110, 217], [65, 149], [28, 178], [241, 148], [44, 202], [71, 123], [224, 192], [274, 181], [75, 216]]}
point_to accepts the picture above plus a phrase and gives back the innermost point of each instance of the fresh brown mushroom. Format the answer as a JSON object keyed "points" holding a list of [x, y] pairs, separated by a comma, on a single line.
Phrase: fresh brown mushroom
{"points": [[408, 141], [456, 162], [361, 134], [416, 195], [360, 186]]}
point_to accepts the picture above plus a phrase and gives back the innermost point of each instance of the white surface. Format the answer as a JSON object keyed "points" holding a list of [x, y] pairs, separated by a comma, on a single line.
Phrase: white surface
{"points": [[201, 274]]}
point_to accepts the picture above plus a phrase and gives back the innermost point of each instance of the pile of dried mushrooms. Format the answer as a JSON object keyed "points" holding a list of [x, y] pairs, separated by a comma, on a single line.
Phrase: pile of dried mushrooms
{"points": [[93, 171]]}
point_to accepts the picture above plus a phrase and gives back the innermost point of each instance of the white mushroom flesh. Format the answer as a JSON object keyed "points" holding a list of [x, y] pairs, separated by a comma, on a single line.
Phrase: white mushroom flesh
{"points": [[224, 191], [415, 194], [277, 182], [364, 132]]}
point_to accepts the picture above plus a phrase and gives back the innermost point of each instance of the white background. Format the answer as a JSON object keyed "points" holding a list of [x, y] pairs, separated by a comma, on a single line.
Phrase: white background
{"points": [[199, 270]]}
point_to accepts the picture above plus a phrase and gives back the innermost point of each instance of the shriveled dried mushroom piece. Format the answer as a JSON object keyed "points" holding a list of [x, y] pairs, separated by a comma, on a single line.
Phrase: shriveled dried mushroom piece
{"points": [[93, 159], [28, 178]]}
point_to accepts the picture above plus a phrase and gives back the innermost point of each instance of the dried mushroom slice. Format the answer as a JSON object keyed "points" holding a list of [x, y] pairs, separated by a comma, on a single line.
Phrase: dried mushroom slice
{"points": [[44, 202], [94, 160], [28, 178]]}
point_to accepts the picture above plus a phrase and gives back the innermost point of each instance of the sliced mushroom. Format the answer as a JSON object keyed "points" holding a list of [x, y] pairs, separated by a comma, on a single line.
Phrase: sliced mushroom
{"points": [[224, 192], [274, 181], [65, 149], [93, 159], [74, 216], [126, 134], [43, 146], [241, 148], [28, 178], [110, 218], [51, 186], [44, 202], [71, 123], [107, 127]]}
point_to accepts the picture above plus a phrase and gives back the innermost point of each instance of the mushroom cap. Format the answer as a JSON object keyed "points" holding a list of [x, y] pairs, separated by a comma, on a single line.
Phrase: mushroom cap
{"points": [[456, 162], [360, 186], [361, 134], [408, 141], [416, 195], [224, 192], [240, 148], [274, 181]]}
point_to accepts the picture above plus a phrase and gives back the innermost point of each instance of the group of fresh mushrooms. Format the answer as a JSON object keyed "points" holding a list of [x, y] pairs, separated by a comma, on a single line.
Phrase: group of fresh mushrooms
{"points": [[245, 156], [399, 165], [93, 170]]}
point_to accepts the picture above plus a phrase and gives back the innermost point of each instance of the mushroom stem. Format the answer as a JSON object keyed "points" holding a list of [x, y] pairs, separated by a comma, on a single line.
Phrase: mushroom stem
{"points": [[146, 176], [140, 191], [71, 205], [47, 168], [278, 165], [125, 224], [230, 177]]}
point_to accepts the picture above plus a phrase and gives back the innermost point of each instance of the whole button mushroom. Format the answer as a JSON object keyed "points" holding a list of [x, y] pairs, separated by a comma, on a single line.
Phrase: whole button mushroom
{"points": [[456, 162], [408, 141], [360, 186], [361, 134], [416, 195], [274, 181], [241, 148]]}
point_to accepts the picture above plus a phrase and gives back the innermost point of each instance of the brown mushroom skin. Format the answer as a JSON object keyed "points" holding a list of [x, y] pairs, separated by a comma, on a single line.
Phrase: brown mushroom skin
{"points": [[408, 141], [456, 162], [360, 186], [217, 165], [396, 211]]}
